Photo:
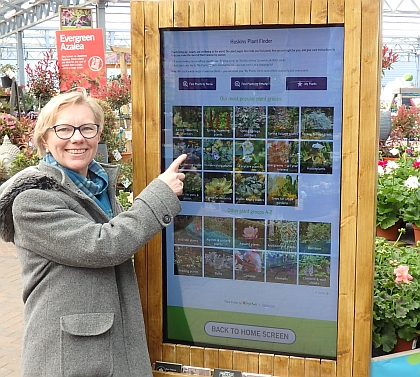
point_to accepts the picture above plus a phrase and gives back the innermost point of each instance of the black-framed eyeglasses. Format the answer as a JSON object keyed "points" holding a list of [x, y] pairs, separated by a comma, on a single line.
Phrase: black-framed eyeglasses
{"points": [[66, 131]]}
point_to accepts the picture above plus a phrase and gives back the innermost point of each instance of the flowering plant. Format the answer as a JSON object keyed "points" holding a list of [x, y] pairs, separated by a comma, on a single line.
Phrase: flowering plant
{"points": [[117, 92], [396, 293], [8, 70], [44, 79], [397, 191], [388, 58], [18, 130], [405, 124]]}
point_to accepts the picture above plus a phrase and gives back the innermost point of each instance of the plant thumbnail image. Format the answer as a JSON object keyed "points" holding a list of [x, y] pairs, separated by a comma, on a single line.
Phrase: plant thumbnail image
{"points": [[282, 190], [281, 268], [188, 261], [250, 122], [249, 265], [282, 156], [218, 231], [317, 123], [218, 187], [187, 121], [250, 188], [218, 263], [315, 237], [218, 121], [314, 270], [187, 230], [249, 233], [250, 155], [316, 157], [193, 149], [217, 154], [72, 18], [282, 235], [283, 122], [193, 187]]}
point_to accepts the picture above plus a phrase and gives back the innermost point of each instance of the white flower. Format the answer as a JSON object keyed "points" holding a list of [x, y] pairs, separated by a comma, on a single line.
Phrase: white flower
{"points": [[247, 147], [412, 182], [247, 159], [391, 165], [394, 151], [381, 170]]}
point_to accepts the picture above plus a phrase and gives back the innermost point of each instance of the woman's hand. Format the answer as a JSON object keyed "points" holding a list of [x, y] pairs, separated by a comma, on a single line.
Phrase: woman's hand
{"points": [[172, 177]]}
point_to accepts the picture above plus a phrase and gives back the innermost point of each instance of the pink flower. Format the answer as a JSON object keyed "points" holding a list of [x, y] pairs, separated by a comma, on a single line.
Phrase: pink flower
{"points": [[250, 232], [382, 163], [402, 275], [416, 164]]}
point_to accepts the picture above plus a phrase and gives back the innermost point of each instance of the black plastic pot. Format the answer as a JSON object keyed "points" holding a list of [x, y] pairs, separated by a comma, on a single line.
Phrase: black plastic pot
{"points": [[6, 82]]}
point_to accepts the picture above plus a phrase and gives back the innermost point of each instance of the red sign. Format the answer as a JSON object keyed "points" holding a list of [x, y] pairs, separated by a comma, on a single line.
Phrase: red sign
{"points": [[81, 59]]}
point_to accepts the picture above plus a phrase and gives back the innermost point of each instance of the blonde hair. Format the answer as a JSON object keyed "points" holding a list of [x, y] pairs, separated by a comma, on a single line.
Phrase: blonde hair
{"points": [[48, 114]]}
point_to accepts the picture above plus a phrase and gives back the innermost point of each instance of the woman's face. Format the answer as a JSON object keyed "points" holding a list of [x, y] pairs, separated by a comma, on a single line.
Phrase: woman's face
{"points": [[77, 152]]}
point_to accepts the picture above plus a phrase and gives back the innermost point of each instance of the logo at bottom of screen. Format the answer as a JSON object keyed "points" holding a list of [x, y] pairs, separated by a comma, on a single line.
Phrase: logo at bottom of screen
{"points": [[226, 373], [248, 332]]}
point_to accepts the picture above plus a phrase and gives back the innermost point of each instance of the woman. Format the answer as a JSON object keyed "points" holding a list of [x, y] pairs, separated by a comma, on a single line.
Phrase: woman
{"points": [[82, 309]]}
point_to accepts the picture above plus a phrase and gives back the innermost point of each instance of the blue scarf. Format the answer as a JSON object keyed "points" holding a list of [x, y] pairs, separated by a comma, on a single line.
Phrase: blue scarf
{"points": [[94, 186]]}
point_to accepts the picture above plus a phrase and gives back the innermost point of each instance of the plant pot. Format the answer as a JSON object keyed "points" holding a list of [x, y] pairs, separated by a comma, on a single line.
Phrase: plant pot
{"points": [[6, 82], [385, 125], [416, 231], [404, 345], [390, 158], [391, 233], [125, 156], [103, 149]]}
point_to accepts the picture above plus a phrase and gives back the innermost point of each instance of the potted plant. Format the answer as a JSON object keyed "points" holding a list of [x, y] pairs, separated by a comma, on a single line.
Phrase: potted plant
{"points": [[44, 79], [396, 295], [117, 92], [389, 57], [397, 196], [389, 197], [405, 124], [109, 137], [7, 72]]}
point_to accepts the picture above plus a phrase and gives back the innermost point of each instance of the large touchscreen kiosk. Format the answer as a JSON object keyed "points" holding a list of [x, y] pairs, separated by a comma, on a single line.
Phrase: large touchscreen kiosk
{"points": [[252, 260]]}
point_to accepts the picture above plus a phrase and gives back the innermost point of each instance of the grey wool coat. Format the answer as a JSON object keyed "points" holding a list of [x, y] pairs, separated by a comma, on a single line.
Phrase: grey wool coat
{"points": [[82, 313]]}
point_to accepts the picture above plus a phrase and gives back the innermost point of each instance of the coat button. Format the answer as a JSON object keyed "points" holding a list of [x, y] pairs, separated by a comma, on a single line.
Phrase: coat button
{"points": [[167, 219]]}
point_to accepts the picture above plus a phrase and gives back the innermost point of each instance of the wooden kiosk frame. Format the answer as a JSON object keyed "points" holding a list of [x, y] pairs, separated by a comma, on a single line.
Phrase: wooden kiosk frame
{"points": [[362, 43]]}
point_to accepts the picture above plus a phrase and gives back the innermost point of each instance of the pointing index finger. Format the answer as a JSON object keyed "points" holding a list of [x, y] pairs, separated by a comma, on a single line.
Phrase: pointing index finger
{"points": [[175, 164]]}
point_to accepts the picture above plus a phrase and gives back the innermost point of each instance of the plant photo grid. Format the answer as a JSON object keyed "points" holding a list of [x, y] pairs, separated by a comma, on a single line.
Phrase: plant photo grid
{"points": [[241, 160]]}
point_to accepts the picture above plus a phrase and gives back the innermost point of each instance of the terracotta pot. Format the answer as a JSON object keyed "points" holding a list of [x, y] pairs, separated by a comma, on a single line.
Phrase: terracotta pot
{"points": [[126, 156], [390, 158], [404, 345], [391, 233], [416, 230]]}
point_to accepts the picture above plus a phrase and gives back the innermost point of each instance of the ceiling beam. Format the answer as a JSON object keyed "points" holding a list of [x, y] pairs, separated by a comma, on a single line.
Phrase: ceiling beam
{"points": [[39, 12]]}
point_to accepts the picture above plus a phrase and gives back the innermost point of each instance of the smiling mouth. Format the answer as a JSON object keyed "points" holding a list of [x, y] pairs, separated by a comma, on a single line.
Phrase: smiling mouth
{"points": [[76, 151]]}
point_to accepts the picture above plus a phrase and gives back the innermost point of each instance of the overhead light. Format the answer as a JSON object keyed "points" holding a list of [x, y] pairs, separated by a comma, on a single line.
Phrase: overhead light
{"points": [[10, 14], [28, 4]]}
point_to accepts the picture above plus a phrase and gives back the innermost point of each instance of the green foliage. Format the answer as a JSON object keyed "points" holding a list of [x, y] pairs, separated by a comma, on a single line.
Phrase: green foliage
{"points": [[5, 68], [21, 162], [316, 232], [396, 305], [398, 192], [124, 199]]}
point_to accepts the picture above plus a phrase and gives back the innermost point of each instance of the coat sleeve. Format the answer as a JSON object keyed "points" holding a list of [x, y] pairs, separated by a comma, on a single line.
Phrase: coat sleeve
{"points": [[63, 230]]}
